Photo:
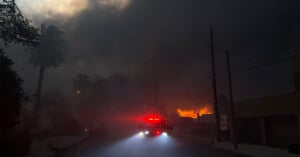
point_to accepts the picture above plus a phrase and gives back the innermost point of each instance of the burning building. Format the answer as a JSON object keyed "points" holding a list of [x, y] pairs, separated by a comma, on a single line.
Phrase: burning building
{"points": [[195, 112]]}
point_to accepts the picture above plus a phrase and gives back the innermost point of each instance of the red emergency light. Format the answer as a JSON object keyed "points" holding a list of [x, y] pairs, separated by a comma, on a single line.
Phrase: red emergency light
{"points": [[152, 118], [157, 132]]}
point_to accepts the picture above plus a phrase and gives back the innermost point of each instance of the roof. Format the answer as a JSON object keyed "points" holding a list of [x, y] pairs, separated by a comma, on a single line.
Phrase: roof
{"points": [[285, 104]]}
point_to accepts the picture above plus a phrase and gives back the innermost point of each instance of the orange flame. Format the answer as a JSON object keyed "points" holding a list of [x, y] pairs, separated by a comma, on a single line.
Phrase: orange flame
{"points": [[187, 113], [194, 113], [205, 110]]}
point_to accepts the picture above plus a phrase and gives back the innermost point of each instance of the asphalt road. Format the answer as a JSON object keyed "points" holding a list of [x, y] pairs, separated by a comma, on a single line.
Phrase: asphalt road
{"points": [[139, 146]]}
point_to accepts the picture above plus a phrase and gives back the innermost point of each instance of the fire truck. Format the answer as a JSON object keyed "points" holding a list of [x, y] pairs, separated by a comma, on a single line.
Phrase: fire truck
{"points": [[155, 125]]}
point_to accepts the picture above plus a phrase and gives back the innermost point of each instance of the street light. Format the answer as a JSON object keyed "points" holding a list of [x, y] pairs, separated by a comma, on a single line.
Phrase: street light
{"points": [[231, 97], [78, 92]]}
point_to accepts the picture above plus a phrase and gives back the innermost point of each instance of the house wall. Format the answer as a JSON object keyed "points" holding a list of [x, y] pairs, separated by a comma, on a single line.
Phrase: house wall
{"points": [[275, 118]]}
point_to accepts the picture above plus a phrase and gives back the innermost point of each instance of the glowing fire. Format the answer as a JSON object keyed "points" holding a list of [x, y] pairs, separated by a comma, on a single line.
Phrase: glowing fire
{"points": [[193, 113], [205, 110]]}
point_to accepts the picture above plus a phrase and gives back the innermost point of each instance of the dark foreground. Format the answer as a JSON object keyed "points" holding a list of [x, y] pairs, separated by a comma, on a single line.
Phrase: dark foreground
{"points": [[139, 146]]}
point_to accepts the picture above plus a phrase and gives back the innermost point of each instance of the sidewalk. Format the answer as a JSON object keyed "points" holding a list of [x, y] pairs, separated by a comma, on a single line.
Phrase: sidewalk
{"points": [[255, 150], [245, 149], [40, 148]]}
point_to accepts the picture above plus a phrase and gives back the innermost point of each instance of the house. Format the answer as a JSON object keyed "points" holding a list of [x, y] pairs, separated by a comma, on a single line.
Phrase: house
{"points": [[271, 120]]}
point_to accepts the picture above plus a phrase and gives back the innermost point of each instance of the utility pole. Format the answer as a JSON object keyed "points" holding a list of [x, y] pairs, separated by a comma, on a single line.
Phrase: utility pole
{"points": [[231, 102], [216, 108], [233, 120]]}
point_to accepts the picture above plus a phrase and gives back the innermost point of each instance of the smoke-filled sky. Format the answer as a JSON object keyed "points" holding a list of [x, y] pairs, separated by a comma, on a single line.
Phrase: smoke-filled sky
{"points": [[43, 10], [169, 39]]}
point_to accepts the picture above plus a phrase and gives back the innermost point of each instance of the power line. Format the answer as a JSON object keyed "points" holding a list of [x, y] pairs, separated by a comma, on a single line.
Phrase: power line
{"points": [[274, 53], [258, 66], [254, 67]]}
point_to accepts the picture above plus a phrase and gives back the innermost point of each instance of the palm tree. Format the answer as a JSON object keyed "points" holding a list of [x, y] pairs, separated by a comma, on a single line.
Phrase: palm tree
{"points": [[48, 54]]}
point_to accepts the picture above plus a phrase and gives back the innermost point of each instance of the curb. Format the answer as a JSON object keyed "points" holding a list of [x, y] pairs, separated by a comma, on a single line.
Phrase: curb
{"points": [[260, 151]]}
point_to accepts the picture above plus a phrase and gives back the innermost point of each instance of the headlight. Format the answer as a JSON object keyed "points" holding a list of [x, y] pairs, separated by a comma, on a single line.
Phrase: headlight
{"points": [[146, 132], [141, 133]]}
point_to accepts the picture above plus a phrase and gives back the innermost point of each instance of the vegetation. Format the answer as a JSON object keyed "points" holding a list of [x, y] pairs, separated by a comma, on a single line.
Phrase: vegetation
{"points": [[11, 96], [11, 93], [48, 54], [14, 27]]}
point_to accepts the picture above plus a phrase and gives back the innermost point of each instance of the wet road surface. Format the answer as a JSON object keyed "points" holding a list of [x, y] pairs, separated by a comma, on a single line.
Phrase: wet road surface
{"points": [[140, 146]]}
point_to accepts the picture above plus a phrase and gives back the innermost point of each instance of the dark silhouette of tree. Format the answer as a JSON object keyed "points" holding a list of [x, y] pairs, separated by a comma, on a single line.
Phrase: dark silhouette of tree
{"points": [[48, 54], [11, 95], [14, 27]]}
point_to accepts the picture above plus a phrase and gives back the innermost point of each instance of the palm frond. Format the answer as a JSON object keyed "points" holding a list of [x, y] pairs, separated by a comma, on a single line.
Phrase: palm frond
{"points": [[49, 53]]}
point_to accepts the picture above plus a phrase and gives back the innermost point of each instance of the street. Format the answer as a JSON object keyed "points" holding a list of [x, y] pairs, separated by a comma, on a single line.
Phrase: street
{"points": [[139, 146], [149, 78]]}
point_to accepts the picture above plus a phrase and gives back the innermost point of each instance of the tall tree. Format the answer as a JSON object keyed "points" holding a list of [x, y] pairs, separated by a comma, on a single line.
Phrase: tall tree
{"points": [[11, 95], [14, 27], [48, 54]]}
